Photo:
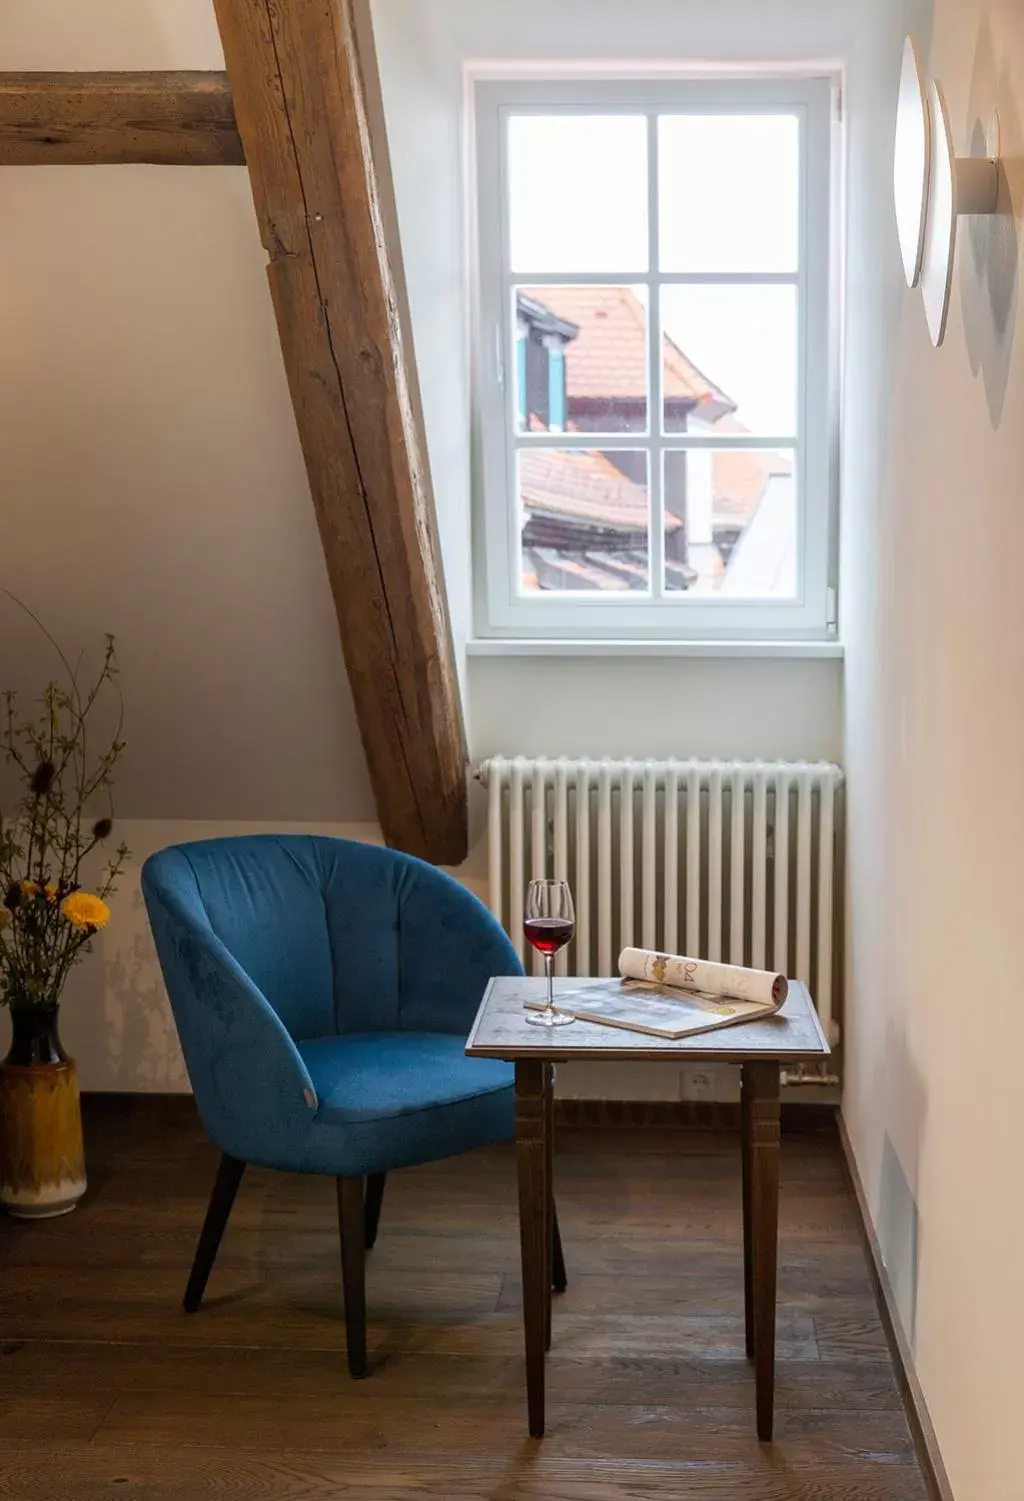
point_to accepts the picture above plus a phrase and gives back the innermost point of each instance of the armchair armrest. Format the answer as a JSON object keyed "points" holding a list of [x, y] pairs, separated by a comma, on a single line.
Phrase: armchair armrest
{"points": [[254, 1093]]}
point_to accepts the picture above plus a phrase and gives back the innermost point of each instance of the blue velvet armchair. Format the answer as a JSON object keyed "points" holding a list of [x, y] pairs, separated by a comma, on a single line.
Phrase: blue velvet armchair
{"points": [[322, 991]]}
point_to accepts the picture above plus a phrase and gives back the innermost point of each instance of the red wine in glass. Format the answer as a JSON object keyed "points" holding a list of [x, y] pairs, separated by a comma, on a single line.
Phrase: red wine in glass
{"points": [[548, 923], [548, 934]]}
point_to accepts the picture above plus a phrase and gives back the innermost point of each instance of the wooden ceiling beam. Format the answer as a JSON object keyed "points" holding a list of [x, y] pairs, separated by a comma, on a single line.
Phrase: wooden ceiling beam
{"points": [[323, 201], [102, 119]]}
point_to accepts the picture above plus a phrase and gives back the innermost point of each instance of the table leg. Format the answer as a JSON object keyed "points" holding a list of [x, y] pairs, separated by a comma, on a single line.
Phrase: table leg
{"points": [[748, 1251], [534, 1232], [549, 1197], [761, 1132]]}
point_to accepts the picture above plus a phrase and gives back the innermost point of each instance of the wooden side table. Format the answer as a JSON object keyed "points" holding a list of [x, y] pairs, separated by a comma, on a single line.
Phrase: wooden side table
{"points": [[759, 1049]]}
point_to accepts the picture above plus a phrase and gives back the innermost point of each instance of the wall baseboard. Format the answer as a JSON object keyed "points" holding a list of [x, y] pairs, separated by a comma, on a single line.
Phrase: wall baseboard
{"points": [[176, 1110], [925, 1441], [693, 1115]]}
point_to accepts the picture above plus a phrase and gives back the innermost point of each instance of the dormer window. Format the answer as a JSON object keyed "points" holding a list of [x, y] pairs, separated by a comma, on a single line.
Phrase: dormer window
{"points": [[541, 339]]}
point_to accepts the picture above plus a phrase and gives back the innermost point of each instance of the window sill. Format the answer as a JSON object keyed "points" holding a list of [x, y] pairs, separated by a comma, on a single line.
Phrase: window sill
{"points": [[505, 646]]}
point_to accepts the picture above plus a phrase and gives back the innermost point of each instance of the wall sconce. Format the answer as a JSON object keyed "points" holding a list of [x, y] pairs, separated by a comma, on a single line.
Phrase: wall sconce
{"points": [[933, 187]]}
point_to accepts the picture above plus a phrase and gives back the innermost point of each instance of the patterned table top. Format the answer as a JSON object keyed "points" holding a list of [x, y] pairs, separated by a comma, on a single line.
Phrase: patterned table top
{"points": [[793, 1035]]}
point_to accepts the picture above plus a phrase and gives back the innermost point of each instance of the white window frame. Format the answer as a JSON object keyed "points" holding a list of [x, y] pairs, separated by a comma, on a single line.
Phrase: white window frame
{"points": [[502, 608]]}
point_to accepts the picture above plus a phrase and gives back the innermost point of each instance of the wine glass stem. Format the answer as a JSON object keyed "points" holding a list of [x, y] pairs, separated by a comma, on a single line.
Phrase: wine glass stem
{"points": [[548, 959]]}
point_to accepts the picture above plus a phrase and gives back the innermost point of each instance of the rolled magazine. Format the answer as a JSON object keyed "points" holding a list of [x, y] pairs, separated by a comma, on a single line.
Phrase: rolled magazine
{"points": [[731, 980], [671, 996]]}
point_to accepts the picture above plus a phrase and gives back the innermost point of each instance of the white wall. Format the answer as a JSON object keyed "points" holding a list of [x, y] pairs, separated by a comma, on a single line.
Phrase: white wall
{"points": [[934, 741], [654, 706], [736, 708]]}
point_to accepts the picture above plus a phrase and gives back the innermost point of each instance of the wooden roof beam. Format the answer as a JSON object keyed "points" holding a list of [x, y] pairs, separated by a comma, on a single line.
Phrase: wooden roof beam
{"points": [[102, 119], [324, 204]]}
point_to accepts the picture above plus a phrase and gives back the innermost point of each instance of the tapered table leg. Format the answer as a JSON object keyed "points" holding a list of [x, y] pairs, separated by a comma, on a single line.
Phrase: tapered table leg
{"points": [[534, 1231], [748, 1253], [761, 1134], [549, 1196]]}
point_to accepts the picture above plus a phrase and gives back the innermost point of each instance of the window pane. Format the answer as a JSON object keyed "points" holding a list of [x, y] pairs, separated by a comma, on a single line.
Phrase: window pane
{"points": [[578, 192], [585, 519], [581, 359], [729, 192], [730, 359], [731, 523]]}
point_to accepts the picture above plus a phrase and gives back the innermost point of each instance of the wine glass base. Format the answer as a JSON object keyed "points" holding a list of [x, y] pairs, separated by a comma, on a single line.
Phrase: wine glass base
{"points": [[548, 1019]]}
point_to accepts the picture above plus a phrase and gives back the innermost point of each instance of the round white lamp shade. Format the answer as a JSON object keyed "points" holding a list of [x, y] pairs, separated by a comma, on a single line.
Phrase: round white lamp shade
{"points": [[957, 185], [912, 164]]}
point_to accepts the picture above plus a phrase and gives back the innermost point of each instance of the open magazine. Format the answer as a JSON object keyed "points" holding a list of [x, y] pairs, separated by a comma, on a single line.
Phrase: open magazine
{"points": [[670, 996]]}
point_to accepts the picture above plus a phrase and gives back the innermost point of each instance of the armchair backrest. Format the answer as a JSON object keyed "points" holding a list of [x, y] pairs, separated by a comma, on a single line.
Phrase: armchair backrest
{"points": [[337, 936], [413, 949], [263, 899]]}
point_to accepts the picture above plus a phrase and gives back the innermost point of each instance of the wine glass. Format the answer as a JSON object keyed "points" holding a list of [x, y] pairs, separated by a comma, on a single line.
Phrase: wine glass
{"points": [[548, 922]]}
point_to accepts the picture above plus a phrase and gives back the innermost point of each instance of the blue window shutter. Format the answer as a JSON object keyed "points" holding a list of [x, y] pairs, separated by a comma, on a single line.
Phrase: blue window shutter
{"points": [[556, 389]]}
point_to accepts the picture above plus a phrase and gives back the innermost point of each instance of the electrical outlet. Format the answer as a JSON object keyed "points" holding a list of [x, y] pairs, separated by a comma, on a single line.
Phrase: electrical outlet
{"points": [[698, 1083]]}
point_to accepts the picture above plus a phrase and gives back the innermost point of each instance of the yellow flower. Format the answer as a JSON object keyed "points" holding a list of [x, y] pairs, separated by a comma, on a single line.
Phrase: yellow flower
{"points": [[50, 893], [84, 911], [30, 888]]}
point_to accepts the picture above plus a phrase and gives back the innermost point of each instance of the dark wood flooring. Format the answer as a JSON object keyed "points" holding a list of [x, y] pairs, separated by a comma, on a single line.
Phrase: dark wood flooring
{"points": [[108, 1392]]}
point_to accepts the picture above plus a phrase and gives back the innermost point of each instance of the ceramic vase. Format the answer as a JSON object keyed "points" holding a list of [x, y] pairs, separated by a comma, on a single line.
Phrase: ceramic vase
{"points": [[42, 1161]]}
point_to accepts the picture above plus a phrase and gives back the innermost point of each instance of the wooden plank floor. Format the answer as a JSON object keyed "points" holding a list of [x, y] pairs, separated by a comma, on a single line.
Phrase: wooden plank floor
{"points": [[107, 1390]]}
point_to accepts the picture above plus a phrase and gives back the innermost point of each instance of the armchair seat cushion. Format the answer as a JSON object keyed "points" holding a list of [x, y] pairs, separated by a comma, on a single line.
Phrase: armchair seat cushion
{"points": [[395, 1099]]}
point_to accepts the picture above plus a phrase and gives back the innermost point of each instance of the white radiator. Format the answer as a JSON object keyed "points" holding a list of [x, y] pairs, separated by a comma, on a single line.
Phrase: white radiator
{"points": [[728, 860]]}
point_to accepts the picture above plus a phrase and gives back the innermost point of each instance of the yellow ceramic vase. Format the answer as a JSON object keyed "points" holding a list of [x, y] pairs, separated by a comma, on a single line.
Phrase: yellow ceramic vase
{"points": [[42, 1161]]}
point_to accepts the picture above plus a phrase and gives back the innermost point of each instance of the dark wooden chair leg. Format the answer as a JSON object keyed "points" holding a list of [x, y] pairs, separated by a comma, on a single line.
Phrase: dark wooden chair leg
{"points": [[374, 1195], [225, 1186], [352, 1229], [559, 1281]]}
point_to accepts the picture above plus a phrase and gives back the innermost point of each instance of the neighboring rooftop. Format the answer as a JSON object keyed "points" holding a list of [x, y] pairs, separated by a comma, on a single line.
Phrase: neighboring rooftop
{"points": [[584, 484], [607, 358]]}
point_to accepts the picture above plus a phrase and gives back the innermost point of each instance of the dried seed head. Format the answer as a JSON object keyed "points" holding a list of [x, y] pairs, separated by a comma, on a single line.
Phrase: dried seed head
{"points": [[42, 778]]}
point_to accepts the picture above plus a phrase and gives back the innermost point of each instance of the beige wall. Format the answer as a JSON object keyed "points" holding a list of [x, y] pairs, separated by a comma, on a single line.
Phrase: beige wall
{"points": [[153, 486], [152, 479], [934, 747]]}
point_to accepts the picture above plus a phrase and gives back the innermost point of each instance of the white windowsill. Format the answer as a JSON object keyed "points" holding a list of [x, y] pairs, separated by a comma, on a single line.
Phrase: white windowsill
{"points": [[505, 646]]}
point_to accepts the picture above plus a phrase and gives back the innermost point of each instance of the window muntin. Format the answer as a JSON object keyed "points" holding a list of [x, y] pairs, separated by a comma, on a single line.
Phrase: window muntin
{"points": [[714, 518]]}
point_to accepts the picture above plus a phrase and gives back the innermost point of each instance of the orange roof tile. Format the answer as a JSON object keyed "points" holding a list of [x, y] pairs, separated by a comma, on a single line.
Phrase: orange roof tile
{"points": [[608, 358], [583, 484]]}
